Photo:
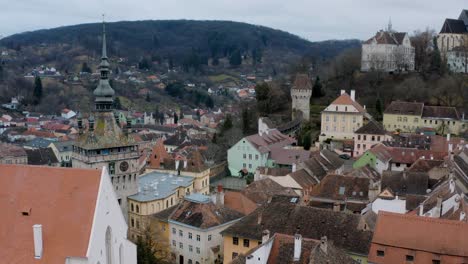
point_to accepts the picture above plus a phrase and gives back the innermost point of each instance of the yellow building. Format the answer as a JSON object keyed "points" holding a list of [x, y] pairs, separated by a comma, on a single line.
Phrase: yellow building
{"points": [[411, 116], [158, 191], [342, 117], [354, 237]]}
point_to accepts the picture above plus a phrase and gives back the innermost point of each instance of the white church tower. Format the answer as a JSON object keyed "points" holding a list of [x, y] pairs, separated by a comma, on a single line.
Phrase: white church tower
{"points": [[300, 94]]}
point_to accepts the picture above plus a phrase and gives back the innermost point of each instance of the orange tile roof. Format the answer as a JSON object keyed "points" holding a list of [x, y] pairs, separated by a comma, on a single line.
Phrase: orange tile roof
{"points": [[446, 237], [345, 99], [239, 202], [62, 200]]}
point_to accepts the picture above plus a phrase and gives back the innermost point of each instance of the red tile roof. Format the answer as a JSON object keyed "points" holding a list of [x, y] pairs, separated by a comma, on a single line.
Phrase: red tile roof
{"points": [[345, 99], [446, 237], [239, 202], [62, 200]]}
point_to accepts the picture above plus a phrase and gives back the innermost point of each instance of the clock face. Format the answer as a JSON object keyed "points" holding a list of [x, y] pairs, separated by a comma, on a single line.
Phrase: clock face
{"points": [[124, 166]]}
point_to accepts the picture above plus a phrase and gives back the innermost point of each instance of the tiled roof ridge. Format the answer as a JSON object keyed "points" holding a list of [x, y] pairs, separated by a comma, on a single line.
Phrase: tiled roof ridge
{"points": [[424, 218]]}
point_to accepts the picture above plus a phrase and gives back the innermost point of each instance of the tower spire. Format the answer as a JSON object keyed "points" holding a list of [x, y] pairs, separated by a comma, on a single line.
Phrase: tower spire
{"points": [[389, 28], [104, 94], [104, 44]]}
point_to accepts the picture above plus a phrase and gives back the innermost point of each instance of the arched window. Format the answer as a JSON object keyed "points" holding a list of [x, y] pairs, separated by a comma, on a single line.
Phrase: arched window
{"points": [[131, 207], [121, 254], [109, 245], [137, 208]]}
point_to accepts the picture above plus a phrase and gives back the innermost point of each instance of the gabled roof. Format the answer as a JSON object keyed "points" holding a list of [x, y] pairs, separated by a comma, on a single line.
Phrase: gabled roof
{"points": [[10, 150], [440, 112], [260, 192], [239, 202], [402, 182], [386, 37], [423, 165], [344, 229], [372, 128], [62, 200], [42, 156], [355, 188], [203, 215], [410, 232], [453, 26], [268, 139], [345, 99], [404, 108]]}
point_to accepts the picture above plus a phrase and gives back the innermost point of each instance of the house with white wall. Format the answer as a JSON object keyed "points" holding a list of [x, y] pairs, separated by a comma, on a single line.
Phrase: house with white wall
{"points": [[61, 215]]}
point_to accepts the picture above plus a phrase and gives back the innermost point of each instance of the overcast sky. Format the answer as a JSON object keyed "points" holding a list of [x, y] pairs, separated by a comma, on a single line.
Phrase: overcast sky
{"points": [[310, 19]]}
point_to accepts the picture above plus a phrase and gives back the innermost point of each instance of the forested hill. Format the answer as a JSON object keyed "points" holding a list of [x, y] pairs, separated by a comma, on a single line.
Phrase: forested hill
{"points": [[177, 38]]}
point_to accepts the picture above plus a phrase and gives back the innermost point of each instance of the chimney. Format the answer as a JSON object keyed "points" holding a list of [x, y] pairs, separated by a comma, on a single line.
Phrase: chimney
{"points": [[185, 164], [421, 209], [259, 219], [342, 92], [448, 137], [438, 209], [220, 195], [177, 164], [37, 232], [265, 236], [336, 207], [324, 244], [294, 167], [364, 107], [297, 247], [450, 148], [452, 185], [462, 216], [353, 95]]}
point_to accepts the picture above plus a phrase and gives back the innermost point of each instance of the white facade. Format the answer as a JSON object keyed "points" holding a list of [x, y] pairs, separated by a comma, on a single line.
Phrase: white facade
{"points": [[388, 56], [457, 61], [193, 245], [109, 231]]}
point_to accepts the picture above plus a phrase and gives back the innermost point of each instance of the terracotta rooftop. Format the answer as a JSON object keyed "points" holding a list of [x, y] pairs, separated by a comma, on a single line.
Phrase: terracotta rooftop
{"points": [[345, 99], [239, 202], [62, 200], [261, 191], [9, 150], [446, 237], [355, 188]]}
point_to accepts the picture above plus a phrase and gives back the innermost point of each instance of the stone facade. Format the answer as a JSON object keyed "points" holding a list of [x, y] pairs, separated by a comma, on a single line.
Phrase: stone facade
{"points": [[300, 94]]}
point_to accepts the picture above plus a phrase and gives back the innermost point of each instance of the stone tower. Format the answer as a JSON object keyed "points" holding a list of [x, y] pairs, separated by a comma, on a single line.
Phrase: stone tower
{"points": [[104, 143], [301, 92]]}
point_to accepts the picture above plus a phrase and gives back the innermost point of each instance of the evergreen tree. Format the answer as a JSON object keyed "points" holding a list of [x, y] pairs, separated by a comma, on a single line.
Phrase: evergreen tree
{"points": [[317, 88], [171, 63], [235, 59], [1, 73], [117, 103], [85, 68], [209, 102], [306, 141], [37, 93], [378, 107], [148, 98], [214, 140], [436, 59], [245, 121], [181, 114], [176, 118], [227, 124]]}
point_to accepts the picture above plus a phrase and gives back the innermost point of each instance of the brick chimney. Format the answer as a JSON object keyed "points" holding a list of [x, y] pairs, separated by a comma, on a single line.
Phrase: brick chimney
{"points": [[353, 95], [265, 236], [220, 195], [324, 244]]}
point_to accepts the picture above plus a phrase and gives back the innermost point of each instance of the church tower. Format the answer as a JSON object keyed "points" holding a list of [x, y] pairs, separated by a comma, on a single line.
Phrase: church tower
{"points": [[103, 143], [300, 94]]}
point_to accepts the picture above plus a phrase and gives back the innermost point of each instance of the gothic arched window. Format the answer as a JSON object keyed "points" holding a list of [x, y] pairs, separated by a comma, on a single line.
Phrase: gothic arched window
{"points": [[109, 245]]}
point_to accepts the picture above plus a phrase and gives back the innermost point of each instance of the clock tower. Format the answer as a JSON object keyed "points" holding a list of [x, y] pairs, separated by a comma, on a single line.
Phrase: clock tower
{"points": [[104, 143]]}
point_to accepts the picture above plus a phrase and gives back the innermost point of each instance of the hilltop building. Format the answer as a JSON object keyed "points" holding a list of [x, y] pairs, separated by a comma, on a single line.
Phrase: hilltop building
{"points": [[104, 143], [300, 94], [388, 51], [453, 34]]}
